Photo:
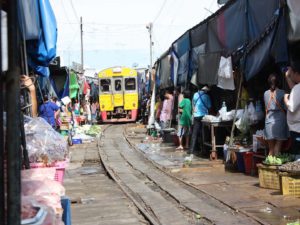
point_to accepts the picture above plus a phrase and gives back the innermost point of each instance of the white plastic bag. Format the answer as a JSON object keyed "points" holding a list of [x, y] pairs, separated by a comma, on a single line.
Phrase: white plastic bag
{"points": [[252, 113], [225, 68], [43, 142], [243, 123]]}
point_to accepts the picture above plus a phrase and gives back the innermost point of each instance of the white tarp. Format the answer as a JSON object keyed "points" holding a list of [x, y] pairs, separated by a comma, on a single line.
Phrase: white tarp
{"points": [[151, 119], [4, 50], [294, 20]]}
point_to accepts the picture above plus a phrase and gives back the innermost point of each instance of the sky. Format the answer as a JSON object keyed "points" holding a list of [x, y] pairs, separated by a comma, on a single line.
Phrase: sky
{"points": [[115, 33]]}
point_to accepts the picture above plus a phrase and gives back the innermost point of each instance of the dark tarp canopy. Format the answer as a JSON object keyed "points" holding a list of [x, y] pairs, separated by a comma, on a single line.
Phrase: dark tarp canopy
{"points": [[165, 72], [272, 45], [294, 20], [243, 26], [208, 68], [234, 25], [181, 48]]}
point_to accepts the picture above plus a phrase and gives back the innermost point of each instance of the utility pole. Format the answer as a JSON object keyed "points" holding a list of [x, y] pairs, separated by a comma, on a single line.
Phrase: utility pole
{"points": [[81, 38], [149, 27]]}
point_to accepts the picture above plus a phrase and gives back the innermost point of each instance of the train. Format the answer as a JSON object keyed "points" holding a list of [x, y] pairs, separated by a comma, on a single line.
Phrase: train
{"points": [[118, 94]]}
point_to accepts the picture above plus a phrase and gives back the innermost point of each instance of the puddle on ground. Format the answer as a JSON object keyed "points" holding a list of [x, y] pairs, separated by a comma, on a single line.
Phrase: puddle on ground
{"points": [[272, 215], [90, 170]]}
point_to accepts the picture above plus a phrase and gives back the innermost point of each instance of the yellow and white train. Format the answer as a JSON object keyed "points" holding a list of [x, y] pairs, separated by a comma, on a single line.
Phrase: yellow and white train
{"points": [[118, 94]]}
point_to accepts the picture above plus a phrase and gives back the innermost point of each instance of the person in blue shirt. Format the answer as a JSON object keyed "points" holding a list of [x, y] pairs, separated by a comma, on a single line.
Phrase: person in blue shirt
{"points": [[47, 111], [201, 104]]}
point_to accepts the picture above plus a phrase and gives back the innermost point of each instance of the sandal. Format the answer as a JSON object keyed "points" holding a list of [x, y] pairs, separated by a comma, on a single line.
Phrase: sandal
{"points": [[179, 148]]}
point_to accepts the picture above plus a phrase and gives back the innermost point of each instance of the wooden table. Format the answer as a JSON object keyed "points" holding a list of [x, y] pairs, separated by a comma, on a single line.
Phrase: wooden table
{"points": [[212, 143]]}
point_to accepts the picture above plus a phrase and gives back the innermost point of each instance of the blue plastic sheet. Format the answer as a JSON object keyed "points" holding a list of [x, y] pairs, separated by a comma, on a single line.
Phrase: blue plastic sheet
{"points": [[42, 51]]}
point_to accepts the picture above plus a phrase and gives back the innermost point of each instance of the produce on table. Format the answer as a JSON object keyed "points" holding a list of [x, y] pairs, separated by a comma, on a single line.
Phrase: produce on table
{"points": [[278, 160], [94, 130], [291, 167]]}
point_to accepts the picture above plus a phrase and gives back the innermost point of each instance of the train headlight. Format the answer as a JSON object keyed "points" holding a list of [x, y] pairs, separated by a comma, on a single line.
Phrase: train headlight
{"points": [[103, 106], [133, 104]]}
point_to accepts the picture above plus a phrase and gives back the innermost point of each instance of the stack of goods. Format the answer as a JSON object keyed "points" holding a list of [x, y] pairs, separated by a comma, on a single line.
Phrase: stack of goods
{"points": [[44, 144], [41, 197], [269, 171], [291, 167], [65, 123], [290, 178], [46, 147]]}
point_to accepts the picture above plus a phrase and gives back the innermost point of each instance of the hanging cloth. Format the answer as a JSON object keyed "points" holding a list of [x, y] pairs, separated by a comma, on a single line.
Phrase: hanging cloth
{"points": [[66, 90], [29, 19], [208, 65], [86, 88], [175, 65], [73, 85], [225, 74]]}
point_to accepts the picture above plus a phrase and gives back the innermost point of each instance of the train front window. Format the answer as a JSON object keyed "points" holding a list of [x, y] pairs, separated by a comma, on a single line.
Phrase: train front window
{"points": [[105, 85], [118, 85], [130, 84]]}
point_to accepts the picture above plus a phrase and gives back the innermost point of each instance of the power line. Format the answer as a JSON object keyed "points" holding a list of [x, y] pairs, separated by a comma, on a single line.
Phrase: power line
{"points": [[208, 10], [74, 11], [66, 14], [160, 10]]}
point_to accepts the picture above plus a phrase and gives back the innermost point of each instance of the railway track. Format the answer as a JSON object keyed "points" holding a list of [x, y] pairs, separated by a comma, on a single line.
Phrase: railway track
{"points": [[161, 198]]}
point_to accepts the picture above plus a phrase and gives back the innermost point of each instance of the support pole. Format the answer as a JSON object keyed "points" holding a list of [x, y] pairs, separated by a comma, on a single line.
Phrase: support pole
{"points": [[235, 113], [150, 27], [81, 40], [12, 81], [2, 194]]}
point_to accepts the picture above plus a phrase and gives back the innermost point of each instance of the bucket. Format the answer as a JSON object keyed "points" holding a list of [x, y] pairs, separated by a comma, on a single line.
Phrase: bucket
{"points": [[248, 159], [240, 161]]}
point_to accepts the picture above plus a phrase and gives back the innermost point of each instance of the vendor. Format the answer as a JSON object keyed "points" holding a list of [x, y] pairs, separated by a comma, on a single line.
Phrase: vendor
{"points": [[292, 102], [77, 108], [185, 120], [276, 129], [201, 104], [167, 108], [47, 111]]}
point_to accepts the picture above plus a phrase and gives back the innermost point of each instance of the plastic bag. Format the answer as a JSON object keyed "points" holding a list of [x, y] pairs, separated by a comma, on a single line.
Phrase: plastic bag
{"points": [[225, 68], [243, 123], [42, 187], [39, 173], [44, 144], [35, 212], [252, 113]]}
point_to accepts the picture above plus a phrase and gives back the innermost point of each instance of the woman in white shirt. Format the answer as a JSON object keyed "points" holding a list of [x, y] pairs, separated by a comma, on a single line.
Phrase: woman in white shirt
{"points": [[292, 102]]}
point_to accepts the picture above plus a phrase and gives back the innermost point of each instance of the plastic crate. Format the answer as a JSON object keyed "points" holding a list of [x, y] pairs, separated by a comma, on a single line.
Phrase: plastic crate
{"points": [[290, 184], [268, 177], [60, 167], [76, 141]]}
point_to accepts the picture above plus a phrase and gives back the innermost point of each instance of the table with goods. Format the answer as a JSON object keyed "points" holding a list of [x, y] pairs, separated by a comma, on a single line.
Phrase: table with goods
{"points": [[43, 195]]}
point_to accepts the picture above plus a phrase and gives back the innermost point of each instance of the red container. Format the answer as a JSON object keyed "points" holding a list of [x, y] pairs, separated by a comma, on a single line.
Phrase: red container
{"points": [[248, 159]]}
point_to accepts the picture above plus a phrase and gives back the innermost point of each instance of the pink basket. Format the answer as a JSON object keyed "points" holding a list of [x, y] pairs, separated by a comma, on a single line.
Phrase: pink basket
{"points": [[60, 167]]}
